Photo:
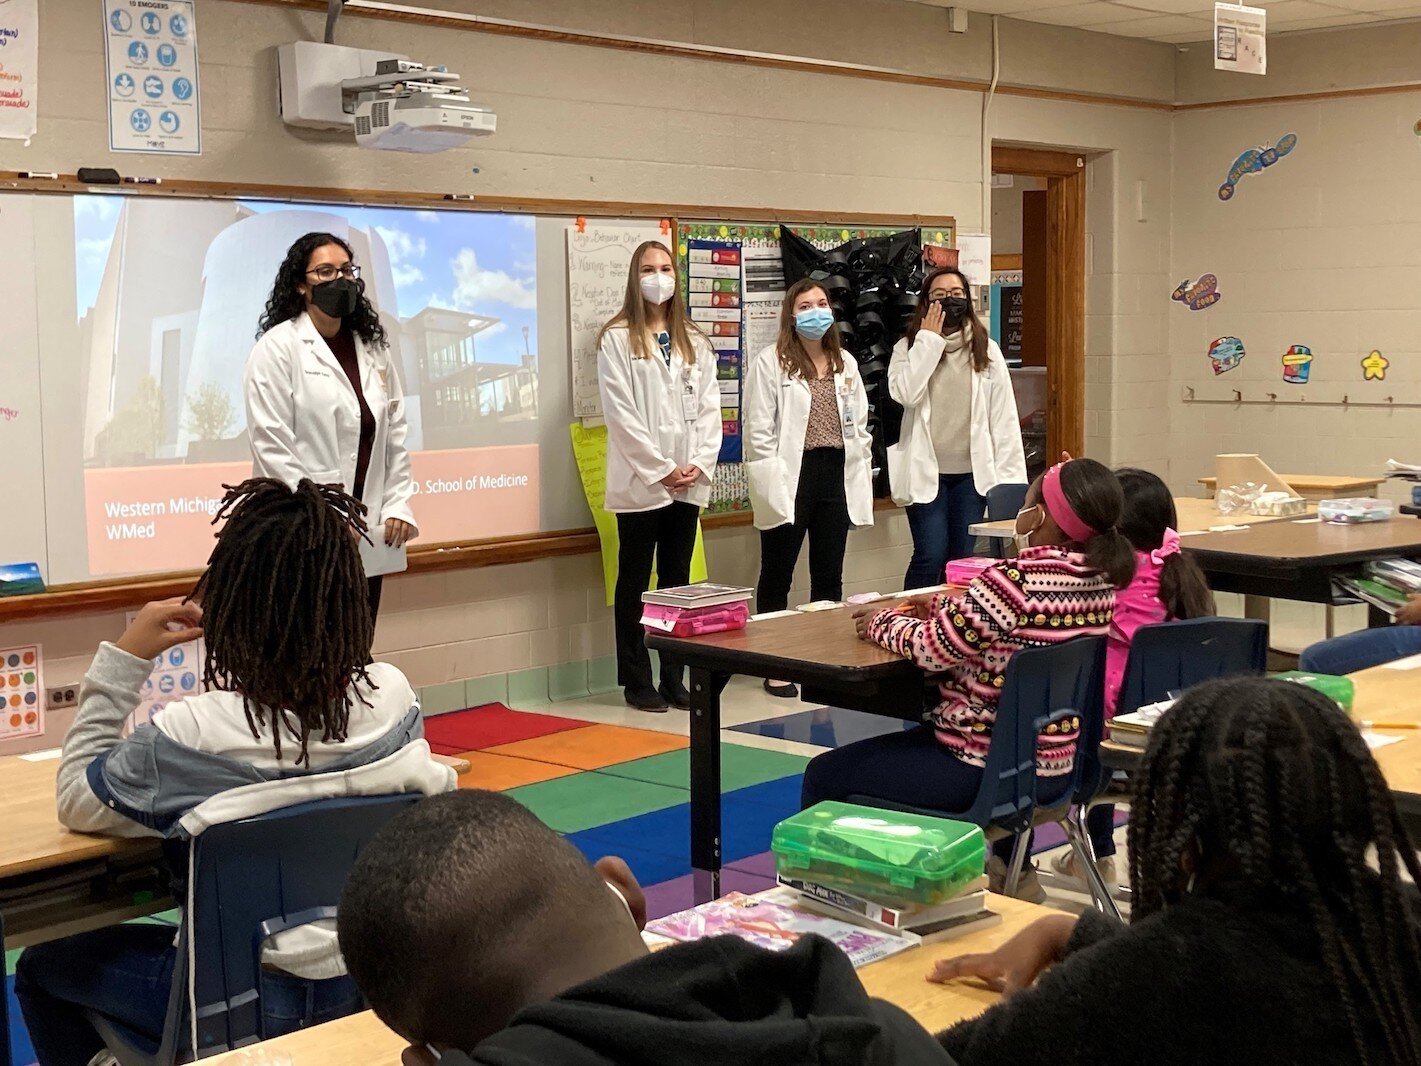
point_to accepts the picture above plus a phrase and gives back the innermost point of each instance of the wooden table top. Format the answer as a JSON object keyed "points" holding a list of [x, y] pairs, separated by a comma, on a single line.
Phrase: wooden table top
{"points": [[822, 645], [1283, 542], [1196, 516], [1320, 486], [33, 839], [899, 979], [1383, 694], [1388, 694]]}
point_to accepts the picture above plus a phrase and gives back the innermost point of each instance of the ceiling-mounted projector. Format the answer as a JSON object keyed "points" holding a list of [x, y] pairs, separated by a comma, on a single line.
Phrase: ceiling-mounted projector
{"points": [[390, 101], [419, 118]]}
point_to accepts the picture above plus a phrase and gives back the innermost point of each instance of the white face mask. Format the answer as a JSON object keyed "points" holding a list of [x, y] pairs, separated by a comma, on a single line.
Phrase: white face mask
{"points": [[658, 288], [1022, 541]]}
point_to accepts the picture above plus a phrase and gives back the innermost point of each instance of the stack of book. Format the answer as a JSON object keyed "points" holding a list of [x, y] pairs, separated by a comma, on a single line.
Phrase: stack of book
{"points": [[1385, 583], [964, 913], [1133, 730]]}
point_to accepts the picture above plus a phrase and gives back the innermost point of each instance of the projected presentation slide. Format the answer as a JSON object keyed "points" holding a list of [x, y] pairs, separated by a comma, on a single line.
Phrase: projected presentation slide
{"points": [[168, 294]]}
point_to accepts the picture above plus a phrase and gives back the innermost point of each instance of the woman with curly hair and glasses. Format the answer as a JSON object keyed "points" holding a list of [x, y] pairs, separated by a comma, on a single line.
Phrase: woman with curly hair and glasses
{"points": [[324, 400]]}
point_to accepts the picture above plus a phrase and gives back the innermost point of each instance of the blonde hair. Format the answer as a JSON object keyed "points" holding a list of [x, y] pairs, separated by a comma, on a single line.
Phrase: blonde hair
{"points": [[633, 313], [793, 356]]}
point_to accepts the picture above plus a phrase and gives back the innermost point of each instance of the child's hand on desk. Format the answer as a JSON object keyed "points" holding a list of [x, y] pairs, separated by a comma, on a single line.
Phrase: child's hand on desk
{"points": [[863, 617], [160, 626], [1409, 613], [1017, 963]]}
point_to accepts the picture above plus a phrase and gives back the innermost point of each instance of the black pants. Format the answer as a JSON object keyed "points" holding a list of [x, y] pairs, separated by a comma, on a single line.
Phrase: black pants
{"points": [[821, 511], [375, 585], [666, 536]]}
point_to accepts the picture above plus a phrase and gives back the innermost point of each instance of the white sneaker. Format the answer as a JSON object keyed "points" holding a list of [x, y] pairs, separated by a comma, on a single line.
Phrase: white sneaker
{"points": [[1028, 885], [1065, 864], [104, 1058]]}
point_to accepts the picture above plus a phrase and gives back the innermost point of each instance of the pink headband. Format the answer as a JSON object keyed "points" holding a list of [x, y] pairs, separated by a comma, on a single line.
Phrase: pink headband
{"points": [[1061, 509]]}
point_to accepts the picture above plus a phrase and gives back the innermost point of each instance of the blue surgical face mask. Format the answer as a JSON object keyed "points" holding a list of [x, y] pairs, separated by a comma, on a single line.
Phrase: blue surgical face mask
{"points": [[814, 323]]}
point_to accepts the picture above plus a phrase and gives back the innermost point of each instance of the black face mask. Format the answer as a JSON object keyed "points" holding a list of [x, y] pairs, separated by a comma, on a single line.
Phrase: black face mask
{"points": [[337, 297], [954, 309]]}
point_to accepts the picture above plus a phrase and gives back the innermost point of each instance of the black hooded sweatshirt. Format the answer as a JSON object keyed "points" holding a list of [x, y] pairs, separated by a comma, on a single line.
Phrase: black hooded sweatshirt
{"points": [[718, 1001]]}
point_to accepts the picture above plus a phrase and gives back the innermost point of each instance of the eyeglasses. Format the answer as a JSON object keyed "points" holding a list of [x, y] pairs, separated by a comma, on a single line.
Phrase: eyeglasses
{"points": [[942, 294], [328, 272]]}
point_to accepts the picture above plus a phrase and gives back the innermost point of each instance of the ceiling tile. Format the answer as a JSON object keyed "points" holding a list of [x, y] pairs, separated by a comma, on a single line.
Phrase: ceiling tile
{"points": [[991, 7], [1204, 37], [1090, 14], [1177, 7], [1352, 18], [1391, 8], [1287, 11], [1156, 26]]}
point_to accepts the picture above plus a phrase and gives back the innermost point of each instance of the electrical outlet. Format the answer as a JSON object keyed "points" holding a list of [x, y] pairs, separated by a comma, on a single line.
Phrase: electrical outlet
{"points": [[63, 696]]}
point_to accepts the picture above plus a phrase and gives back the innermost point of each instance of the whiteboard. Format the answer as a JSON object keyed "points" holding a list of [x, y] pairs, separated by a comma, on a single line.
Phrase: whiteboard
{"points": [[111, 295], [599, 258]]}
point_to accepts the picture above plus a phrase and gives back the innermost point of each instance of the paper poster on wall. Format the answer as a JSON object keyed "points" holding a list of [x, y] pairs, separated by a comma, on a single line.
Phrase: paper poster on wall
{"points": [[1007, 317], [598, 259], [21, 692], [1374, 366], [150, 47], [1297, 364], [589, 448], [1198, 295], [1255, 161], [715, 271], [1240, 39], [1225, 354], [19, 69], [974, 258], [177, 675]]}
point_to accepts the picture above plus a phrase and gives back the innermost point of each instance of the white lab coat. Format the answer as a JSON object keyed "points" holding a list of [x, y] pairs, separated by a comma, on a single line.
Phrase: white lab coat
{"points": [[997, 454], [776, 412], [304, 422], [658, 419]]}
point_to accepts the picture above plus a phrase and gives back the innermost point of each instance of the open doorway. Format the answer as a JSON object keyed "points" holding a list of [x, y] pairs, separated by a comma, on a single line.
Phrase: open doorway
{"points": [[1038, 263]]}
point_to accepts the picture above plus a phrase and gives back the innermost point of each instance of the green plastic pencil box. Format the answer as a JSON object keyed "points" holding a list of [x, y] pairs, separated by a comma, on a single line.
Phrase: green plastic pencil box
{"points": [[907, 860]]}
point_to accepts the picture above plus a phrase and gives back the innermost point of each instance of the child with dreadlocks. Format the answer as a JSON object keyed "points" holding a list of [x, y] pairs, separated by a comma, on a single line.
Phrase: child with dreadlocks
{"points": [[1271, 924], [295, 712]]}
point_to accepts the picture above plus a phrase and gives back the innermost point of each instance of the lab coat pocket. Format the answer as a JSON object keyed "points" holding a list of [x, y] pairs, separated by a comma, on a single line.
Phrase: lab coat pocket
{"points": [[769, 492], [900, 482]]}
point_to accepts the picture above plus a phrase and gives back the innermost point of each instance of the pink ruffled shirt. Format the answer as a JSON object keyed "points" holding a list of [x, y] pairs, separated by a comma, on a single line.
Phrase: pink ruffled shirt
{"points": [[1136, 605]]}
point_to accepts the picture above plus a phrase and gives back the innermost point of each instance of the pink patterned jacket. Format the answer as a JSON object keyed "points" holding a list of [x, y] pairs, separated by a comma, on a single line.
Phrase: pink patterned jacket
{"points": [[1043, 596]]}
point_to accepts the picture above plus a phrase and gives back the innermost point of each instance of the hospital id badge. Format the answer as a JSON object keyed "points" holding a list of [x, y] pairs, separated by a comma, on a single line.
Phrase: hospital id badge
{"points": [[688, 401]]}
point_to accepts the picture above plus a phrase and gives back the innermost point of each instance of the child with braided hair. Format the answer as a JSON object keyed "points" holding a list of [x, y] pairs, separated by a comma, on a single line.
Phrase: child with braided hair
{"points": [[1272, 921], [295, 712]]}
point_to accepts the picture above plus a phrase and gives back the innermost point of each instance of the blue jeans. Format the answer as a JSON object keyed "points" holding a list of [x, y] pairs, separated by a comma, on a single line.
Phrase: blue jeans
{"points": [[1360, 650], [125, 972], [940, 529]]}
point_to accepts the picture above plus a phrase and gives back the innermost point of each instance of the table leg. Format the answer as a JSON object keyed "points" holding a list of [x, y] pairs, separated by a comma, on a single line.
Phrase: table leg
{"points": [[1258, 607], [706, 687]]}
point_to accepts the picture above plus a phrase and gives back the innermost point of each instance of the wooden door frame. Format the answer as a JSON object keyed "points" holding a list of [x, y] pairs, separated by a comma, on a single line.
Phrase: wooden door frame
{"points": [[1065, 287]]}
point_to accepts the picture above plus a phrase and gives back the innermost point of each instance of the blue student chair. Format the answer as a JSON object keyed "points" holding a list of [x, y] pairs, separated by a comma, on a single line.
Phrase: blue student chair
{"points": [[1004, 502], [1042, 686], [247, 880], [4, 1005], [1165, 658]]}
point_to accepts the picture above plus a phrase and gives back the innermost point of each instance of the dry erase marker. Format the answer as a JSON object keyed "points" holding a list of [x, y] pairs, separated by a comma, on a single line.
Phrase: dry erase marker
{"points": [[143, 181], [39, 175], [458, 196]]}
